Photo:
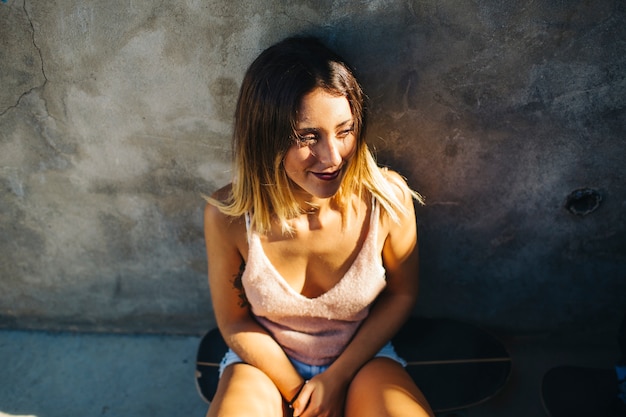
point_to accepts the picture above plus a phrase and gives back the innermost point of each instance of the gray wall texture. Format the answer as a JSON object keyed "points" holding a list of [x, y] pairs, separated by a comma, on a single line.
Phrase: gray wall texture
{"points": [[509, 116]]}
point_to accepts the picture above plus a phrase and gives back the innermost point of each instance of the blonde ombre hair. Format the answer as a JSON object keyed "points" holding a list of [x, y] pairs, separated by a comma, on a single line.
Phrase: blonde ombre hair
{"points": [[265, 122]]}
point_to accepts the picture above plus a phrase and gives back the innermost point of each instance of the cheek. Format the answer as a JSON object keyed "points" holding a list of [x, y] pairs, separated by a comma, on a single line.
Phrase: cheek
{"points": [[349, 149], [296, 159]]}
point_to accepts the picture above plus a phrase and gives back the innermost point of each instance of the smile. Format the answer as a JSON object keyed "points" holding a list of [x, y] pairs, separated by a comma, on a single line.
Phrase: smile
{"points": [[327, 176]]}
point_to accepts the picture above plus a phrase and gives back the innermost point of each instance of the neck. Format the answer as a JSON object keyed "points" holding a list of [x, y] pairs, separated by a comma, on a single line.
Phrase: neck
{"points": [[317, 207]]}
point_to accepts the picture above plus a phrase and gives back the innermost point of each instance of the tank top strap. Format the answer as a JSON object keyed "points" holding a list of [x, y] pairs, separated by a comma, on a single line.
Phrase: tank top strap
{"points": [[247, 219], [374, 216]]}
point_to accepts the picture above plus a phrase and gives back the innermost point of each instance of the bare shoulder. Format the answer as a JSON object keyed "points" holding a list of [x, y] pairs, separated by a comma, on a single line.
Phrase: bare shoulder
{"points": [[399, 186], [401, 239], [223, 194], [212, 213], [219, 224]]}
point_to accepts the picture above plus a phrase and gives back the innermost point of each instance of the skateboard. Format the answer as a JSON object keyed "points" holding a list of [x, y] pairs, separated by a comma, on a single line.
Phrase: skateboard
{"points": [[456, 365], [572, 391]]}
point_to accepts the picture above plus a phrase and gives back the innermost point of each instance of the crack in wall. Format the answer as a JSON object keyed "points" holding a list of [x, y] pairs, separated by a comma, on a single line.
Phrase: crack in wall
{"points": [[43, 71]]}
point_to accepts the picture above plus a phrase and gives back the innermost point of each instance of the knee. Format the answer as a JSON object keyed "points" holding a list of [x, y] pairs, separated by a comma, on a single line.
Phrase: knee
{"points": [[245, 391], [384, 388], [374, 376]]}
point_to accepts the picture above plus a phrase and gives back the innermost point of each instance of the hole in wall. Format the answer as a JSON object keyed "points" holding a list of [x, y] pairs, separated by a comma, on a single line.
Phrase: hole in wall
{"points": [[583, 201]]}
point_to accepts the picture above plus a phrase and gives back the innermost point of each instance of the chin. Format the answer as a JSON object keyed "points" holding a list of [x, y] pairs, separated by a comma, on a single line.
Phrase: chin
{"points": [[320, 191], [326, 196], [326, 193]]}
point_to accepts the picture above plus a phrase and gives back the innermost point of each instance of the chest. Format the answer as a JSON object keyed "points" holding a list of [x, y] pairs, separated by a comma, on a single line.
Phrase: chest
{"points": [[316, 257]]}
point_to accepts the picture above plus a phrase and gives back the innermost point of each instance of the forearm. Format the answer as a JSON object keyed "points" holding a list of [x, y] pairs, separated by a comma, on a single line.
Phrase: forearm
{"points": [[255, 346], [386, 317]]}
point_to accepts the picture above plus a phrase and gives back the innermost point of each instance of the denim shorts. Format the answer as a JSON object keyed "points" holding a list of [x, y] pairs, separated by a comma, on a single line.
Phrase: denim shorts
{"points": [[309, 371]]}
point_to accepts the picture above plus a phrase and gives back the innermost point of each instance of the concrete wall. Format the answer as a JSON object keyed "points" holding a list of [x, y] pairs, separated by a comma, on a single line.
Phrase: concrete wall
{"points": [[116, 115]]}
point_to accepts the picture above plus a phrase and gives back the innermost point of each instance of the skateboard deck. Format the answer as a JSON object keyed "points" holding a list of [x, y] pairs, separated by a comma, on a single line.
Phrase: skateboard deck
{"points": [[455, 364], [573, 391]]}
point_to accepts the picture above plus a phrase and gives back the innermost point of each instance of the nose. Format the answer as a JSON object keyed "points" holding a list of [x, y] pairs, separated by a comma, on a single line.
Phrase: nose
{"points": [[328, 151]]}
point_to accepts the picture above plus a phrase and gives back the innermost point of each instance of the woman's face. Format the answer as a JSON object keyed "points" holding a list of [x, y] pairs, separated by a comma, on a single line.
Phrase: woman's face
{"points": [[325, 142]]}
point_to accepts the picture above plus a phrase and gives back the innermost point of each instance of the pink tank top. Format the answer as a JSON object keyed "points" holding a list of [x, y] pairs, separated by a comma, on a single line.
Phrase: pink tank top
{"points": [[314, 330]]}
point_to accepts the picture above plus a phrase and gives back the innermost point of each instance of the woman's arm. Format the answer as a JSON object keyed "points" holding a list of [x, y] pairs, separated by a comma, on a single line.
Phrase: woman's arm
{"points": [[392, 307], [395, 303], [225, 240]]}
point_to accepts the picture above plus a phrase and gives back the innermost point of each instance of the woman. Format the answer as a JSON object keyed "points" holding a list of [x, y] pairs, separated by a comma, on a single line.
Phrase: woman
{"points": [[312, 250]]}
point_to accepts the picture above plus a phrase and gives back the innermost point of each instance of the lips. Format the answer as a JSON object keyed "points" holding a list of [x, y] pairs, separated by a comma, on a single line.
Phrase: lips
{"points": [[327, 176]]}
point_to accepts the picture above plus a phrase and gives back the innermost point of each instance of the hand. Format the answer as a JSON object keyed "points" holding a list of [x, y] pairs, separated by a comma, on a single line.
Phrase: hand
{"points": [[322, 396]]}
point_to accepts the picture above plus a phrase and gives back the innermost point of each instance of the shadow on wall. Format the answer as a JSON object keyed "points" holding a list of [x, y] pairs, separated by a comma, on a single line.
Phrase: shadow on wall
{"points": [[507, 117]]}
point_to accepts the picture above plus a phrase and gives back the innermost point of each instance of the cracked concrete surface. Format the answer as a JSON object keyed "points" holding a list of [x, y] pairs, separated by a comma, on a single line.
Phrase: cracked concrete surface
{"points": [[115, 116], [24, 75]]}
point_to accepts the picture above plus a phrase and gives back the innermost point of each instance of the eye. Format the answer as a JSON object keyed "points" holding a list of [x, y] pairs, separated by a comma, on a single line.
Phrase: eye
{"points": [[344, 133], [307, 139]]}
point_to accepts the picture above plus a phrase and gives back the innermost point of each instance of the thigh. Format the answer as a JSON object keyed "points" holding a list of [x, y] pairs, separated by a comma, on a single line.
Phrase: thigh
{"points": [[384, 388], [244, 390]]}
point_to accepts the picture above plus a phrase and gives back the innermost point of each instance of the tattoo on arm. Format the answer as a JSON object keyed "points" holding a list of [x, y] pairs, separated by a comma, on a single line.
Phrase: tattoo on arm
{"points": [[238, 285]]}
